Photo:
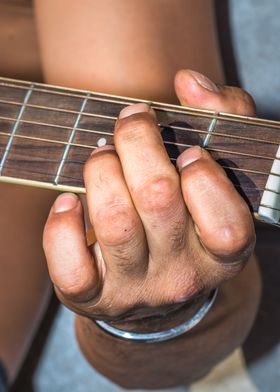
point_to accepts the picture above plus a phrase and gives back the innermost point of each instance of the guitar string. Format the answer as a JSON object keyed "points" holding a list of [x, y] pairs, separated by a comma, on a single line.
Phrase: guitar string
{"points": [[81, 183], [82, 162], [165, 141], [48, 89], [191, 130], [114, 118], [104, 134], [244, 170], [44, 173]]}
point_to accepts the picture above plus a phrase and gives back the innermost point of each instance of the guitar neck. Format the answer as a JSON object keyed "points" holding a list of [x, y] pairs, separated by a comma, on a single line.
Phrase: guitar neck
{"points": [[47, 133]]}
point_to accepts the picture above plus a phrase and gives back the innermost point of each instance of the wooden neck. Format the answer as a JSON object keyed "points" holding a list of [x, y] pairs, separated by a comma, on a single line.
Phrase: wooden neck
{"points": [[47, 133]]}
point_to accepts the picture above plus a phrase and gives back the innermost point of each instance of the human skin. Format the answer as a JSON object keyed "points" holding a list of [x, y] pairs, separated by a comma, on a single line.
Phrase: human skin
{"points": [[61, 60]]}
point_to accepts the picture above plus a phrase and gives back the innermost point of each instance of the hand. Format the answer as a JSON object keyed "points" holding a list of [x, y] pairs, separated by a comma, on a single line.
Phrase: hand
{"points": [[164, 236]]}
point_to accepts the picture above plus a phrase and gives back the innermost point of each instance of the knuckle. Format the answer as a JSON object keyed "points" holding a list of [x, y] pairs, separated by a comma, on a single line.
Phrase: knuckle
{"points": [[235, 241], [199, 176], [178, 287], [116, 224], [76, 286], [187, 287], [240, 101], [158, 195], [134, 127], [246, 104], [113, 306]]}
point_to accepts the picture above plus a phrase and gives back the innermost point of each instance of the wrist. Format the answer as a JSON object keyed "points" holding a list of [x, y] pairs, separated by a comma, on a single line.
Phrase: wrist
{"points": [[160, 319]]}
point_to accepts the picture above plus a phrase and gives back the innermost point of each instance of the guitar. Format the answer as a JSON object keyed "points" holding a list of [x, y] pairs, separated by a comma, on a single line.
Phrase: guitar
{"points": [[48, 132]]}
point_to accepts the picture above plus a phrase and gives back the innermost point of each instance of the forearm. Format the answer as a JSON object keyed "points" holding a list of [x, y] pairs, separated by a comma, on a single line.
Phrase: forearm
{"points": [[182, 360]]}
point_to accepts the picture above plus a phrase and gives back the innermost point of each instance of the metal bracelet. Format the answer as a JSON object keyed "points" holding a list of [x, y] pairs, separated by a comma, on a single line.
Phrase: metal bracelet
{"points": [[161, 336]]}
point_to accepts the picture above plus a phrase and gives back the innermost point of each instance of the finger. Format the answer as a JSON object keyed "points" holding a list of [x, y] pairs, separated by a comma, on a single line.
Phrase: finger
{"points": [[71, 266], [116, 223], [223, 220], [196, 90], [152, 180]]}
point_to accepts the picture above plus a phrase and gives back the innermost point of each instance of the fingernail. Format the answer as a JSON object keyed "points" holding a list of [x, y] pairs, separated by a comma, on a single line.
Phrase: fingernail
{"points": [[108, 147], [204, 82], [65, 202], [188, 156], [133, 109]]}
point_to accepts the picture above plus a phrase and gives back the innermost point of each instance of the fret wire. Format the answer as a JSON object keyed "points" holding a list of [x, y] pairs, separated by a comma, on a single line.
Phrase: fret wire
{"points": [[93, 147], [78, 162], [210, 131], [160, 106], [11, 136], [70, 140], [114, 118]]}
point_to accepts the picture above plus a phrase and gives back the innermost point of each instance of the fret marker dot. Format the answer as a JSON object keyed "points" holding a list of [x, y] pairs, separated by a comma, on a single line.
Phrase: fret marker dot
{"points": [[101, 142]]}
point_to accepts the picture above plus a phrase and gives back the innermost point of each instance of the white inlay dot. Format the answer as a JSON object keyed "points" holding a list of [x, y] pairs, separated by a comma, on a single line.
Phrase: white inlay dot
{"points": [[101, 142]]}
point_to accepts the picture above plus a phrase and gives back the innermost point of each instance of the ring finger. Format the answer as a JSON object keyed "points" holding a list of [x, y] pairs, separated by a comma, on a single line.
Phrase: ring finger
{"points": [[116, 223]]}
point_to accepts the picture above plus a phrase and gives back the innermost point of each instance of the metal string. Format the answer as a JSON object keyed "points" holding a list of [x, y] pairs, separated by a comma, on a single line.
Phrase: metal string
{"points": [[93, 147], [79, 162], [165, 141], [67, 177], [114, 118], [88, 146], [49, 89]]}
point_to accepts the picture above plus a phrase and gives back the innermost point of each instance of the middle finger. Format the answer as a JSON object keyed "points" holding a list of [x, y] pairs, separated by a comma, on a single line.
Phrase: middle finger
{"points": [[152, 180]]}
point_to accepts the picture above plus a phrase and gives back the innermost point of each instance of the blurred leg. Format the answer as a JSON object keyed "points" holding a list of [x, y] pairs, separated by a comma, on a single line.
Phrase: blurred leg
{"points": [[24, 282]]}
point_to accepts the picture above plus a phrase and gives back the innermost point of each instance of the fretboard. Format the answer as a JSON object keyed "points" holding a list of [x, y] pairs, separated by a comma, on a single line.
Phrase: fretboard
{"points": [[47, 133]]}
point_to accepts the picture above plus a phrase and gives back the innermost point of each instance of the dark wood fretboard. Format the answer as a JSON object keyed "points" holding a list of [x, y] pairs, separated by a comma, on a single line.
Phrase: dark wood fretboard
{"points": [[47, 133]]}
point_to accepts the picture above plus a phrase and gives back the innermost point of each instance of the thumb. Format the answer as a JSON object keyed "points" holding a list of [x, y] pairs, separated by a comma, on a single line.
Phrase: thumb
{"points": [[196, 90]]}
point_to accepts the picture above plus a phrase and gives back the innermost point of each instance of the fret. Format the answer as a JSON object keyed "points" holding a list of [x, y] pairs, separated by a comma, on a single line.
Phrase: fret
{"points": [[210, 130], [14, 130], [33, 160], [70, 140]]}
